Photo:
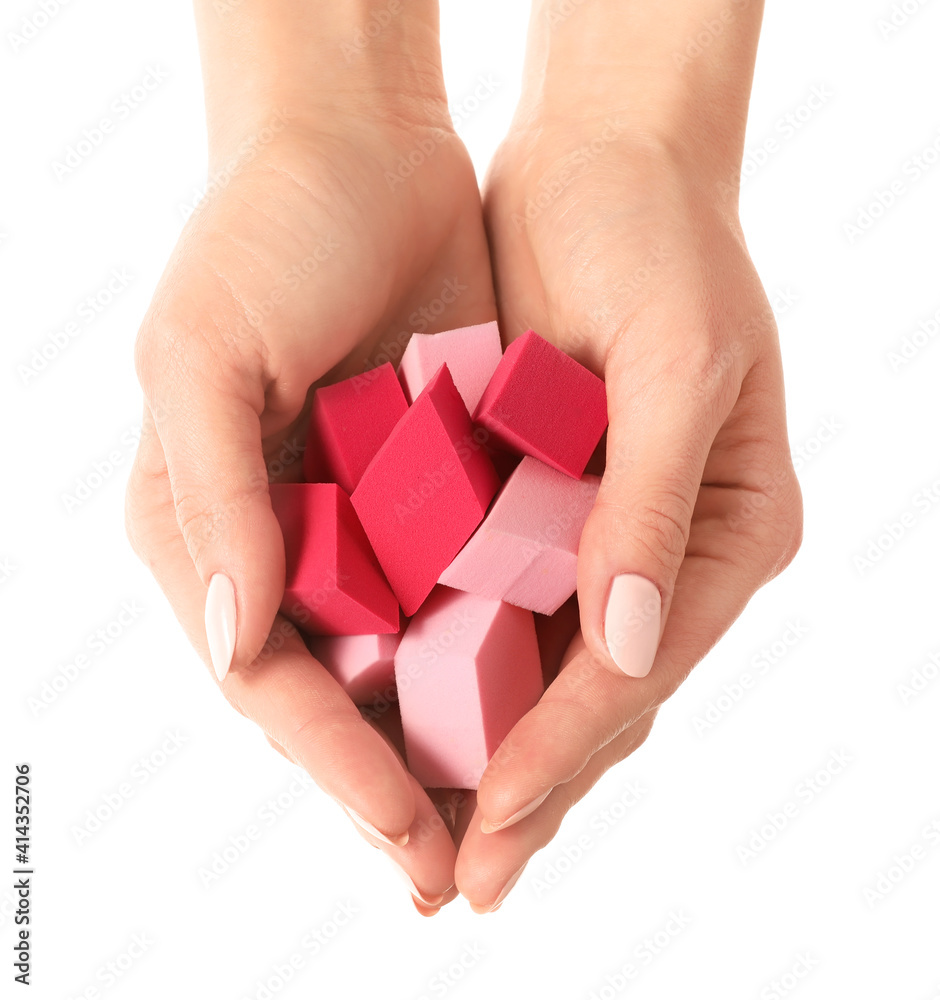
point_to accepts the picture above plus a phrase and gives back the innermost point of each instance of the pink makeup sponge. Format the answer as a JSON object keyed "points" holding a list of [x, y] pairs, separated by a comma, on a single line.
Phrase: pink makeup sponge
{"points": [[349, 422], [471, 353], [526, 550], [425, 491], [467, 670], [542, 403], [333, 583], [363, 664]]}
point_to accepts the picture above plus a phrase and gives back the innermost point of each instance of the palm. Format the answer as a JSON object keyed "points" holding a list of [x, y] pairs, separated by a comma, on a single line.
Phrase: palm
{"points": [[313, 261]]}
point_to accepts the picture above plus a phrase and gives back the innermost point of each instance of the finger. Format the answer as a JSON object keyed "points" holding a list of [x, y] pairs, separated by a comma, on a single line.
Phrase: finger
{"points": [[206, 409], [428, 858], [297, 703], [490, 864], [277, 746], [426, 862], [589, 705], [665, 407], [465, 801]]}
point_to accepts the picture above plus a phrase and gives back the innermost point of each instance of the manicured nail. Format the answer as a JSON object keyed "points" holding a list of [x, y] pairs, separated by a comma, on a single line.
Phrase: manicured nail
{"points": [[398, 841], [448, 813], [425, 911], [498, 902], [631, 624], [220, 622], [414, 890], [487, 827]]}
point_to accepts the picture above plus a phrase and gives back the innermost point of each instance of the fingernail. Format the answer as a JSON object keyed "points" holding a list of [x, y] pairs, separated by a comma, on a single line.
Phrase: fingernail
{"points": [[220, 623], [398, 841], [498, 902], [631, 624], [448, 813], [414, 890], [425, 911], [487, 827]]}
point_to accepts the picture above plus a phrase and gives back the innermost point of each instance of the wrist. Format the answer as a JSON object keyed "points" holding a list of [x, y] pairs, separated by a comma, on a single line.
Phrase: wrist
{"points": [[313, 62], [675, 78]]}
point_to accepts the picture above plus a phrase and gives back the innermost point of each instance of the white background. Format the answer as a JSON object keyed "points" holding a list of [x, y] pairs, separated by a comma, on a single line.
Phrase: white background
{"points": [[863, 431]]}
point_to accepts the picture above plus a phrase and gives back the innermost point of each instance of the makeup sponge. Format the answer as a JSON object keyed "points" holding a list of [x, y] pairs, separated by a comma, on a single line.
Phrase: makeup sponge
{"points": [[349, 422], [425, 491], [333, 583], [363, 664], [467, 669], [542, 403], [526, 550], [470, 353]]}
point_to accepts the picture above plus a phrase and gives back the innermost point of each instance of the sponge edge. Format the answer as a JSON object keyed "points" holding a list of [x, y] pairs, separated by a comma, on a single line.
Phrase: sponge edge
{"points": [[333, 584], [541, 402], [363, 664], [526, 550], [349, 422], [425, 491], [467, 670], [471, 353]]}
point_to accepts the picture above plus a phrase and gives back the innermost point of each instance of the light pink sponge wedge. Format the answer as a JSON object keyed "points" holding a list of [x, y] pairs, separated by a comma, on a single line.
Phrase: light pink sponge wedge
{"points": [[363, 664], [526, 550], [471, 353], [467, 670]]}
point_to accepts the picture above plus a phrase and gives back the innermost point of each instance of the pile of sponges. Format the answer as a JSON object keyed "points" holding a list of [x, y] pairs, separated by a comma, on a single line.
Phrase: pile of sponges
{"points": [[443, 505]]}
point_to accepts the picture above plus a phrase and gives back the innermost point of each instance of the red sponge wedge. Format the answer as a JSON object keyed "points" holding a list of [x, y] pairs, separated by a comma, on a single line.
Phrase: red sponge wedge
{"points": [[425, 491], [542, 403], [349, 422], [333, 584]]}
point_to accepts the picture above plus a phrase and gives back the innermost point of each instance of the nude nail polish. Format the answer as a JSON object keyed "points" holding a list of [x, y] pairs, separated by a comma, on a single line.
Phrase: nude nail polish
{"points": [[498, 902], [398, 841], [414, 890], [220, 623], [631, 623], [526, 810]]}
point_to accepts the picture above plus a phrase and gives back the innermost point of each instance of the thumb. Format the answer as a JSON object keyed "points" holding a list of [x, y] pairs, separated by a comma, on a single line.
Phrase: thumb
{"points": [[663, 421], [207, 413]]}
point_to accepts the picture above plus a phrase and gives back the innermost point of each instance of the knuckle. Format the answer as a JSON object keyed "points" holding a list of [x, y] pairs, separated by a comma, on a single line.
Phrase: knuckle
{"points": [[201, 523], [711, 368], [316, 736], [203, 520], [787, 524], [147, 505], [713, 364], [659, 525], [777, 531], [176, 348]]}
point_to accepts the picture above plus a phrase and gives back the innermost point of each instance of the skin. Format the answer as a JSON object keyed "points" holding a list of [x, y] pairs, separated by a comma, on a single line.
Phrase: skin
{"points": [[636, 266]]}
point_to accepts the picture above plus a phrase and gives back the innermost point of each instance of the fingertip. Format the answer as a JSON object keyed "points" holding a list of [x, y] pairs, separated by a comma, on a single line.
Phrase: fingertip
{"points": [[488, 826], [393, 840]]}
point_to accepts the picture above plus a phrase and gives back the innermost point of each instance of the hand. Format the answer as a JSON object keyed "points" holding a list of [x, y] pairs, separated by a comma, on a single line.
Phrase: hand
{"points": [[342, 218], [635, 269]]}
